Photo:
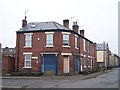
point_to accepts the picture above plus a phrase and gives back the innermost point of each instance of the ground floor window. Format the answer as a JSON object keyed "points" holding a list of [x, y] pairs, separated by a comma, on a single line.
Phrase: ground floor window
{"points": [[85, 62], [27, 62]]}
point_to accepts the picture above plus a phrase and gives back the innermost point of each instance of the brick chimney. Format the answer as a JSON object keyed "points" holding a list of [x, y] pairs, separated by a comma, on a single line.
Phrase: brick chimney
{"points": [[24, 22], [75, 27], [66, 23], [82, 33]]}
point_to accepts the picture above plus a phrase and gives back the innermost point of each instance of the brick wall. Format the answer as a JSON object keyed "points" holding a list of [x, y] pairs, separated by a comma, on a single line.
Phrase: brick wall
{"points": [[8, 64], [38, 46]]}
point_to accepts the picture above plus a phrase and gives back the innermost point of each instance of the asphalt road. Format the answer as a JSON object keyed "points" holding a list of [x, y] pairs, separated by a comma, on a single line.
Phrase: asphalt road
{"points": [[107, 80]]}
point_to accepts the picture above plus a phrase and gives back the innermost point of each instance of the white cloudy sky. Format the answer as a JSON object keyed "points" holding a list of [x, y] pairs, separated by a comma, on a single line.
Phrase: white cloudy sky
{"points": [[99, 18]]}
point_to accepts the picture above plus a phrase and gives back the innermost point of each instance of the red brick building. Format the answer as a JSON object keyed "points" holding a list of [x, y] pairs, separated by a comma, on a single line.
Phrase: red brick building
{"points": [[8, 64], [51, 47], [8, 60]]}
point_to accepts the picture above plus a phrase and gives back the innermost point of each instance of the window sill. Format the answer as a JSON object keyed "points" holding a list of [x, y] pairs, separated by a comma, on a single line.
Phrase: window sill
{"points": [[89, 66], [27, 67], [66, 46], [76, 48], [27, 47], [49, 46]]}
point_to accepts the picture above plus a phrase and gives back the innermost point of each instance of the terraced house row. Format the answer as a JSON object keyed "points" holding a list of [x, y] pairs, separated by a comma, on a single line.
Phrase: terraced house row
{"points": [[49, 47]]}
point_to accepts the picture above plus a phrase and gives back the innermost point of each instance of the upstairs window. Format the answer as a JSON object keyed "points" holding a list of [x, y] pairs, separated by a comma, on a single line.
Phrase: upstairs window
{"points": [[49, 39], [65, 39], [93, 49], [28, 40], [84, 44], [88, 46], [76, 42]]}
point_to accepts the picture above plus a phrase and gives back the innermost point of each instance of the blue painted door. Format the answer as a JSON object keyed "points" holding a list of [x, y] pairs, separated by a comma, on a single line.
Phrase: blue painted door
{"points": [[49, 63], [76, 64]]}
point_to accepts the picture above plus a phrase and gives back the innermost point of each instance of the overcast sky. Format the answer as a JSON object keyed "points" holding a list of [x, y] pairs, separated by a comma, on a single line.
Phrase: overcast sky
{"points": [[99, 18]]}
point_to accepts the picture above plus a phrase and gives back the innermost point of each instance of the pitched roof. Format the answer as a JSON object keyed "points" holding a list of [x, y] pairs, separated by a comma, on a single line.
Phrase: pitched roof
{"points": [[39, 26], [101, 46], [46, 26]]}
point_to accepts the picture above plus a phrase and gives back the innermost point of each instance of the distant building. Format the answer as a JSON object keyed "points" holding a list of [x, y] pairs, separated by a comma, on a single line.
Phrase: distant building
{"points": [[116, 60], [111, 60], [8, 51], [103, 54], [50, 47], [8, 60]]}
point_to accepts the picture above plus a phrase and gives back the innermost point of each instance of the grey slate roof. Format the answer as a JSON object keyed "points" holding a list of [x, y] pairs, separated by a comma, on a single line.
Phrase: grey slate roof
{"points": [[37, 26], [48, 26], [101, 46]]}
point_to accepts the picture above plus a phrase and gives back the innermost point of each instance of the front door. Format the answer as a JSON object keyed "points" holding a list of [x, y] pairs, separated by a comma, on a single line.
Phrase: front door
{"points": [[66, 64], [76, 64]]}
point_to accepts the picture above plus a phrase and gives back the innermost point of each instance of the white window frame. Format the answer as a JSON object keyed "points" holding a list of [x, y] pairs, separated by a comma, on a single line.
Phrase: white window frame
{"points": [[89, 62], [84, 41], [85, 62], [28, 40], [68, 40], [48, 44], [88, 46], [93, 49], [76, 42], [25, 60]]}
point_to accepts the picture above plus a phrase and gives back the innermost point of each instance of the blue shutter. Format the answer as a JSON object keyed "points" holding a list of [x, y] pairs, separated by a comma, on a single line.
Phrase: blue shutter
{"points": [[49, 63], [76, 64]]}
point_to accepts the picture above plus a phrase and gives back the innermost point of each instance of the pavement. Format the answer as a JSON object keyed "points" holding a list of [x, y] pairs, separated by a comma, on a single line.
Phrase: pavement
{"points": [[73, 77]]}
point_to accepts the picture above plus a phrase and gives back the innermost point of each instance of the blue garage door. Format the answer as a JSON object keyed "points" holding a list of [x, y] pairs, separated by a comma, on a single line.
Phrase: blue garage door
{"points": [[76, 64], [49, 63]]}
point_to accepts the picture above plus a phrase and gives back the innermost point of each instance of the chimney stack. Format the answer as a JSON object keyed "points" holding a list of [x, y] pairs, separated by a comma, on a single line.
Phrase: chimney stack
{"points": [[24, 22], [82, 33], [75, 27], [66, 23]]}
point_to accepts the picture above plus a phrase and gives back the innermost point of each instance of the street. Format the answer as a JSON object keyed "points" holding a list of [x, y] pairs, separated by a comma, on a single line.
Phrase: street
{"points": [[106, 80]]}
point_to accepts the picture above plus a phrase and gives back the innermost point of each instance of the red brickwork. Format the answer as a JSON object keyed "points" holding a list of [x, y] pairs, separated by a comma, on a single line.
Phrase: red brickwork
{"points": [[8, 64]]}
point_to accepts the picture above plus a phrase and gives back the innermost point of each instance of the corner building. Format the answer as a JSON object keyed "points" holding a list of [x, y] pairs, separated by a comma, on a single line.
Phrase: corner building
{"points": [[49, 47]]}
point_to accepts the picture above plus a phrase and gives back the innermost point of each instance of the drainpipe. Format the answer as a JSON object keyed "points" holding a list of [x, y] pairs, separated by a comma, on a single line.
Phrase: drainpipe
{"points": [[79, 54], [18, 39]]}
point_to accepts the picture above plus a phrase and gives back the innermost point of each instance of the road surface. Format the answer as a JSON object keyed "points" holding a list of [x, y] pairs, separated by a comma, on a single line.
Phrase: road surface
{"points": [[107, 80]]}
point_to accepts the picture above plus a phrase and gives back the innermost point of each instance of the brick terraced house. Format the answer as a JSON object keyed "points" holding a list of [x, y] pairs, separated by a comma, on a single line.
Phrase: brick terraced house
{"points": [[52, 47]]}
